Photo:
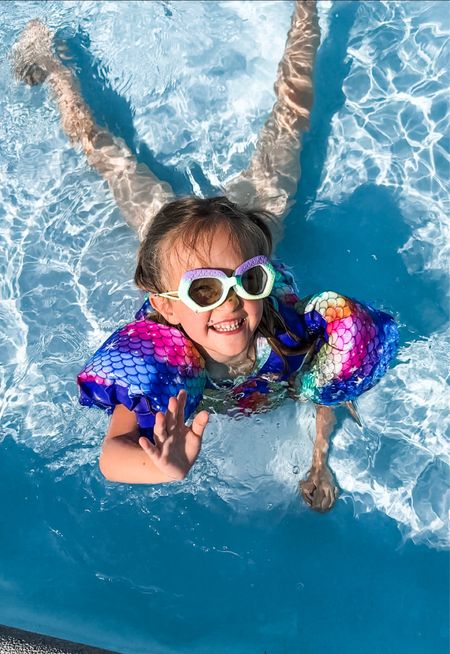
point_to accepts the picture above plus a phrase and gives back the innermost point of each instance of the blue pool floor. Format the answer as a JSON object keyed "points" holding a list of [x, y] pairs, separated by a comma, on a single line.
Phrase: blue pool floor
{"points": [[349, 581]]}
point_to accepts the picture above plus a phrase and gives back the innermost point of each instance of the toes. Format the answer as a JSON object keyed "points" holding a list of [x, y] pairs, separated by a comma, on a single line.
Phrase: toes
{"points": [[31, 53], [34, 75]]}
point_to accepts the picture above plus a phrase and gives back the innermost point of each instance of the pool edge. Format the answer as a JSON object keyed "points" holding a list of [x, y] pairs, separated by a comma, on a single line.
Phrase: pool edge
{"points": [[18, 641]]}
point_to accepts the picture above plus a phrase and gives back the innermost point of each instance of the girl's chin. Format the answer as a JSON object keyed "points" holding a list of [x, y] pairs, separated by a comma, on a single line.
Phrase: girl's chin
{"points": [[224, 348]]}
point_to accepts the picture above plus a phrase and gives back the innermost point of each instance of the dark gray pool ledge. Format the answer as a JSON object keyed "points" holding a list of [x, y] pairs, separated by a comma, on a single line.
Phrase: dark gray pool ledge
{"points": [[16, 641]]}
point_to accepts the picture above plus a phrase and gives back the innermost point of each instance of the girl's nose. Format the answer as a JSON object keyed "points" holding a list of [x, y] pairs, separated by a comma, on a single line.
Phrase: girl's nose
{"points": [[232, 299]]}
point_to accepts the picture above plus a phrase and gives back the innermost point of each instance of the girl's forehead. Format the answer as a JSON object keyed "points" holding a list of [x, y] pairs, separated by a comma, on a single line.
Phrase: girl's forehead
{"points": [[217, 252]]}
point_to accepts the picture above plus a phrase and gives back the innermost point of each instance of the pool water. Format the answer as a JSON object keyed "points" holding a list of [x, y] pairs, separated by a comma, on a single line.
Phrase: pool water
{"points": [[229, 560]]}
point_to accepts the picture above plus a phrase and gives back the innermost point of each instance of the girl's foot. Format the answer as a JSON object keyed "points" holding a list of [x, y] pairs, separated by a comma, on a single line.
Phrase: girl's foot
{"points": [[32, 56]]}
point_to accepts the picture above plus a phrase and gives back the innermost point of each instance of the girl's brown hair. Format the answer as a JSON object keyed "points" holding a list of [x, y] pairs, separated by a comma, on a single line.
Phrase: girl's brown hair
{"points": [[192, 222]]}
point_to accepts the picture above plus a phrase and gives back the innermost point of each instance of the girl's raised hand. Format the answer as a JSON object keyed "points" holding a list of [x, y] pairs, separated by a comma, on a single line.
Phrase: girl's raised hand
{"points": [[176, 446]]}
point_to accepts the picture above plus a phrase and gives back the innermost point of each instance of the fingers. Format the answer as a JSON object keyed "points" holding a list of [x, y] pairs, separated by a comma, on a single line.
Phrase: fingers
{"points": [[324, 499], [147, 446], [307, 489], [172, 421], [320, 496], [172, 415], [160, 429], [181, 397], [199, 423], [175, 412]]}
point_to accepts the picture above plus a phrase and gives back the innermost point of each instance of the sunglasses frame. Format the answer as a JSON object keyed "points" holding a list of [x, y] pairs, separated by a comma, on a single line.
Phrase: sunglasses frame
{"points": [[234, 281]]}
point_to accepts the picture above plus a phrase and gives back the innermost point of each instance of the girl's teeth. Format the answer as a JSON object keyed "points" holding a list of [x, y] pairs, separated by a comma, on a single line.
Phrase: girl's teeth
{"points": [[228, 327]]}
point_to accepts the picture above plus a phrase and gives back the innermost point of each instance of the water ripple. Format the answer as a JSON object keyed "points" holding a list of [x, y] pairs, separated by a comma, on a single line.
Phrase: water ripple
{"points": [[67, 260]]}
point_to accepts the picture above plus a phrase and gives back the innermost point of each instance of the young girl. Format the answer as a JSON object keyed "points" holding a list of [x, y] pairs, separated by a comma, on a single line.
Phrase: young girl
{"points": [[220, 315]]}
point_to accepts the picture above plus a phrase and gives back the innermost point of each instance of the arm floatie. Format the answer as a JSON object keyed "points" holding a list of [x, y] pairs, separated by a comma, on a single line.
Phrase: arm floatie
{"points": [[356, 343], [141, 366]]}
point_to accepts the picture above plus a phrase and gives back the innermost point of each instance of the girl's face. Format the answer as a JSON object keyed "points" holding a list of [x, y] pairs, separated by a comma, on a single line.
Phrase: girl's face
{"points": [[226, 333]]}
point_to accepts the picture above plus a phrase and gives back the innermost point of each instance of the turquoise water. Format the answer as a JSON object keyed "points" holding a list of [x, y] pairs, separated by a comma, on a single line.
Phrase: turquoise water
{"points": [[230, 560]]}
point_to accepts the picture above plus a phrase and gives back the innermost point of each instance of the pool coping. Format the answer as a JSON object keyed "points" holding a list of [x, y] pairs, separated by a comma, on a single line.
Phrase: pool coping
{"points": [[18, 641]]}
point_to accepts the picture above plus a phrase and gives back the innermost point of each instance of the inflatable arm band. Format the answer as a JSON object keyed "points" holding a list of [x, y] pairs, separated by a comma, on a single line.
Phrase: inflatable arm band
{"points": [[141, 366], [356, 343]]}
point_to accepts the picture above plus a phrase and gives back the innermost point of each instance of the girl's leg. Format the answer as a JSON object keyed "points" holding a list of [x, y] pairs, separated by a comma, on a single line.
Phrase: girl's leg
{"points": [[272, 177], [138, 193]]}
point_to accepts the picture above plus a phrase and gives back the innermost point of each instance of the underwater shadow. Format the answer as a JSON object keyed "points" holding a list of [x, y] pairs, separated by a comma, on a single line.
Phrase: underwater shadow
{"points": [[354, 248], [113, 111]]}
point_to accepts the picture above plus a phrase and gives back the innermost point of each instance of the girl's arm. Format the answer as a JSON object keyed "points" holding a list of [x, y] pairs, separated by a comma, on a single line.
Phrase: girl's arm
{"points": [[128, 457], [319, 489], [138, 193], [122, 459], [271, 179]]}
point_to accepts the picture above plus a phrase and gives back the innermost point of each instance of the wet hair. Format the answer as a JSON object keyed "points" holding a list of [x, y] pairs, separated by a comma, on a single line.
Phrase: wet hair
{"points": [[191, 222]]}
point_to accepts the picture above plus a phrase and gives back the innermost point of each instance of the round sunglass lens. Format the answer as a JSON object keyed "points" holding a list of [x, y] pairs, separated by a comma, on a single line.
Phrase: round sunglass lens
{"points": [[254, 280], [205, 291]]}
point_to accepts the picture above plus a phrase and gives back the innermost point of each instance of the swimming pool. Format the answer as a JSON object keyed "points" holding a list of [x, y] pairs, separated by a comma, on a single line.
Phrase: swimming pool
{"points": [[230, 560]]}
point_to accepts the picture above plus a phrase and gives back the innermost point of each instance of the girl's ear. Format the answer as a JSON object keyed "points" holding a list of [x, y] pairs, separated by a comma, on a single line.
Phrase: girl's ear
{"points": [[164, 307]]}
